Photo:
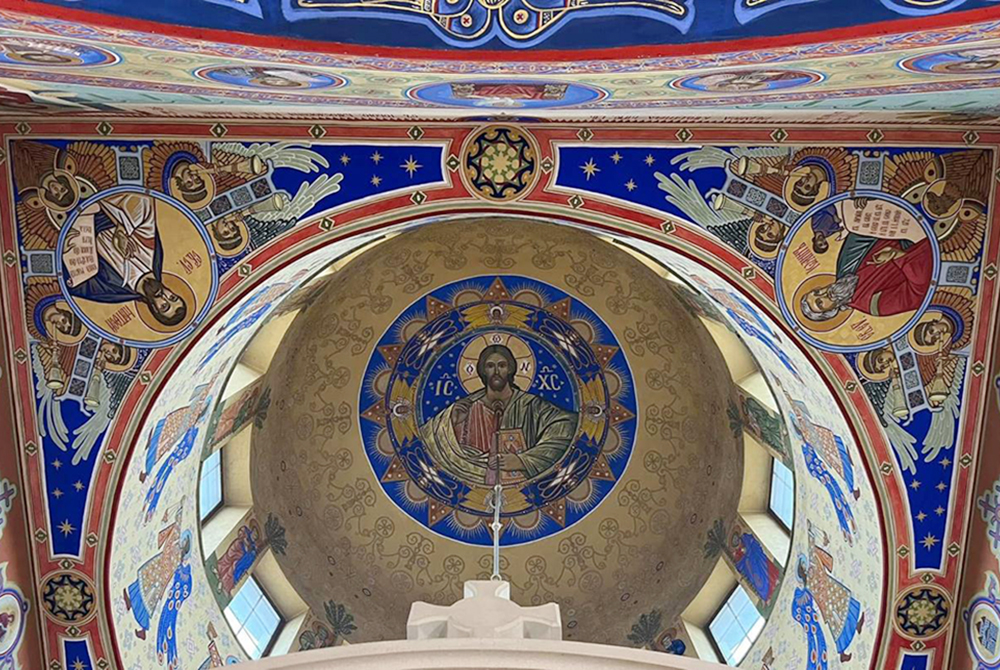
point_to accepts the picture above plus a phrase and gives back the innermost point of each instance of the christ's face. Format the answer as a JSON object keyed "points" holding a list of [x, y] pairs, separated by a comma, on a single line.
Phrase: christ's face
{"points": [[277, 81], [973, 65], [42, 57], [497, 371]]}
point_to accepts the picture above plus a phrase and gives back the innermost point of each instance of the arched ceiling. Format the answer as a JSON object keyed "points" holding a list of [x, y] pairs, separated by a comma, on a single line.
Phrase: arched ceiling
{"points": [[468, 26], [57, 59]]}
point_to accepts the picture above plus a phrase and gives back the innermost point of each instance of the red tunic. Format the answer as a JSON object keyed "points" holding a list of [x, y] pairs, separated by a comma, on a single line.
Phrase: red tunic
{"points": [[897, 286]]}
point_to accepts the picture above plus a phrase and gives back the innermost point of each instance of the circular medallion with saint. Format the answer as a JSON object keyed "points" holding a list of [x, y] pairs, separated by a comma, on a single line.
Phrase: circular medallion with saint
{"points": [[498, 383]]}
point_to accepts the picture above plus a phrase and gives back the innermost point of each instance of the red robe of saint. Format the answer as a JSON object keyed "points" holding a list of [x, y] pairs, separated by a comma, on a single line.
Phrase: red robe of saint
{"points": [[897, 286]]}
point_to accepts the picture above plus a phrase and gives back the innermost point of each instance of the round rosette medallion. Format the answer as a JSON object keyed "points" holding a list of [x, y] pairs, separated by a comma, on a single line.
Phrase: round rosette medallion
{"points": [[498, 384]]}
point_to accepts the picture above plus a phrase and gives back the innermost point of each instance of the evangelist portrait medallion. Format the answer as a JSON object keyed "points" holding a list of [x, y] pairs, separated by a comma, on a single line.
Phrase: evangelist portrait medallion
{"points": [[869, 280], [270, 78], [498, 380], [136, 267]]}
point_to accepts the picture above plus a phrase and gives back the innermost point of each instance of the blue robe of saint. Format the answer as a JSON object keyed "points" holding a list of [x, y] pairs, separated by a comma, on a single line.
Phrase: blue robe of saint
{"points": [[246, 560], [846, 463], [804, 611], [756, 568], [180, 452], [108, 286], [166, 632], [845, 517]]}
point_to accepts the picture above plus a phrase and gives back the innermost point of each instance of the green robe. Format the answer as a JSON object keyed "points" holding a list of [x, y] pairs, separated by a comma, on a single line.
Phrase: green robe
{"points": [[548, 432]]}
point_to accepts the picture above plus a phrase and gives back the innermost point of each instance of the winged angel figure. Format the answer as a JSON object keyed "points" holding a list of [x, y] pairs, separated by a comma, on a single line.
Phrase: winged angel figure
{"points": [[265, 225]]}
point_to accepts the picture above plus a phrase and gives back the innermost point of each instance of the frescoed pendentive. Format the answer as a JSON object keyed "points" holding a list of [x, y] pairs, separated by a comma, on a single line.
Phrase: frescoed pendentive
{"points": [[963, 62], [137, 266], [498, 380], [746, 81], [269, 77], [41, 52], [513, 93]]}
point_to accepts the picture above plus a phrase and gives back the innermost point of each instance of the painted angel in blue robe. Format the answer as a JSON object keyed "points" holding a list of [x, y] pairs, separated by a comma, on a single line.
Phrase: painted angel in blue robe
{"points": [[817, 441], [760, 332], [845, 517], [829, 597], [180, 452], [166, 632]]}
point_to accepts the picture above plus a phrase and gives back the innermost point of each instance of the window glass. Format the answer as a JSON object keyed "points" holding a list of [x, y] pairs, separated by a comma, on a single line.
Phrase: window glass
{"points": [[736, 626], [253, 618], [782, 501], [210, 485]]}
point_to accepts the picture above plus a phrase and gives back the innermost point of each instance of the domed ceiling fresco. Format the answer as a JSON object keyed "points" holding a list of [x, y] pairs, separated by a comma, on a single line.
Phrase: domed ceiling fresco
{"points": [[146, 261], [575, 469]]}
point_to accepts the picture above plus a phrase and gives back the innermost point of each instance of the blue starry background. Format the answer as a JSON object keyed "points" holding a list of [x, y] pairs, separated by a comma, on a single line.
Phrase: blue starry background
{"points": [[448, 356]]}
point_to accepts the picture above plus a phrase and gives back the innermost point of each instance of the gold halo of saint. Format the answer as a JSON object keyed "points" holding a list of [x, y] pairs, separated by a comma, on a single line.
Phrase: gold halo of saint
{"points": [[805, 186], [468, 375], [192, 185], [932, 333], [180, 288], [810, 283], [62, 324], [230, 235], [760, 240], [117, 357], [59, 191], [873, 365], [941, 200]]}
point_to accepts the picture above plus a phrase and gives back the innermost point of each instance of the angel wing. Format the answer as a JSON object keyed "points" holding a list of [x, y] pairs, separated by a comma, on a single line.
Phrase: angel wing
{"points": [[902, 441], [906, 170], [50, 419], [95, 162], [294, 155], [941, 434], [716, 157], [37, 230], [686, 197], [308, 196], [87, 435]]}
